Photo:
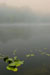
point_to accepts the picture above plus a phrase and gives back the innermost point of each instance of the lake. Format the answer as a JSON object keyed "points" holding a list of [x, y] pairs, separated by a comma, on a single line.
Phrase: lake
{"points": [[26, 39]]}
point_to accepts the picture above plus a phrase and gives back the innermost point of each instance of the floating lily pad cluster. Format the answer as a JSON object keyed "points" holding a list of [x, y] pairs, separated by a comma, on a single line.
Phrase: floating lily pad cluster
{"points": [[13, 64], [41, 51], [29, 55]]}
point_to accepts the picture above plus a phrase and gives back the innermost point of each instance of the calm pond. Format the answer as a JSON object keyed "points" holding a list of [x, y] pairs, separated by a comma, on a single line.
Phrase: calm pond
{"points": [[26, 40]]}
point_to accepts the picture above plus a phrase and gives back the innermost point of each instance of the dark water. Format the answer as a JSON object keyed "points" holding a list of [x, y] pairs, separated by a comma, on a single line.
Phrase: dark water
{"points": [[31, 37]]}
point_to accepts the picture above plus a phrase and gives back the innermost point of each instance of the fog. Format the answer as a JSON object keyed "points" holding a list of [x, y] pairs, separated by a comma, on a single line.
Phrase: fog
{"points": [[21, 15], [28, 33]]}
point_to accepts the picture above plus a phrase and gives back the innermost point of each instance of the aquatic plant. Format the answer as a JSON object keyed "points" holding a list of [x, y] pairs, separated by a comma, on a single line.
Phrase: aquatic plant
{"points": [[15, 57], [45, 48], [8, 60], [1, 57], [29, 55], [32, 54], [12, 69], [43, 53], [48, 54], [13, 64]]}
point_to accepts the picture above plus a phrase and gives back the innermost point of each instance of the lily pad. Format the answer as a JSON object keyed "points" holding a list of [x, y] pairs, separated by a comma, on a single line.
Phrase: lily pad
{"points": [[15, 57], [48, 54], [13, 64], [12, 69], [28, 55], [16, 63], [45, 48], [8, 60], [43, 53], [1, 57], [40, 51], [32, 54]]}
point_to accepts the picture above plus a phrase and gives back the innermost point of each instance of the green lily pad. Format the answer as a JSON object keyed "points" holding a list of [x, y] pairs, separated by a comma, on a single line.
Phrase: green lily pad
{"points": [[16, 63], [48, 54], [1, 57], [32, 54], [28, 55], [43, 53], [13, 64], [8, 60], [12, 69], [40, 51], [45, 48], [15, 57], [5, 58]]}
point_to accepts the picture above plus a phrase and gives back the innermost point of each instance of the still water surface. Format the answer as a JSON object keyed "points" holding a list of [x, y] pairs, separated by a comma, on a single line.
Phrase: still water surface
{"points": [[26, 39]]}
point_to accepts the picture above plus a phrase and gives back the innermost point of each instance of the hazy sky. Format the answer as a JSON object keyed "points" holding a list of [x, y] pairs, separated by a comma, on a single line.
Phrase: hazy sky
{"points": [[38, 6]]}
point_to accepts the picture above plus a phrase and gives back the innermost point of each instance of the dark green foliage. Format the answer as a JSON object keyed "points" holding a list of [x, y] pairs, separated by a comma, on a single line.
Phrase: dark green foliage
{"points": [[5, 59]]}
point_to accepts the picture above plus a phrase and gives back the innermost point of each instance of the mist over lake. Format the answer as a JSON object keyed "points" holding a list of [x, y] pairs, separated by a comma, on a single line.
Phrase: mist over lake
{"points": [[24, 38], [33, 37]]}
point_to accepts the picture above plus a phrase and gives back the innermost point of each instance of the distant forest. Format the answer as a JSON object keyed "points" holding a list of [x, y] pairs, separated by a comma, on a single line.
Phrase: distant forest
{"points": [[20, 15]]}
